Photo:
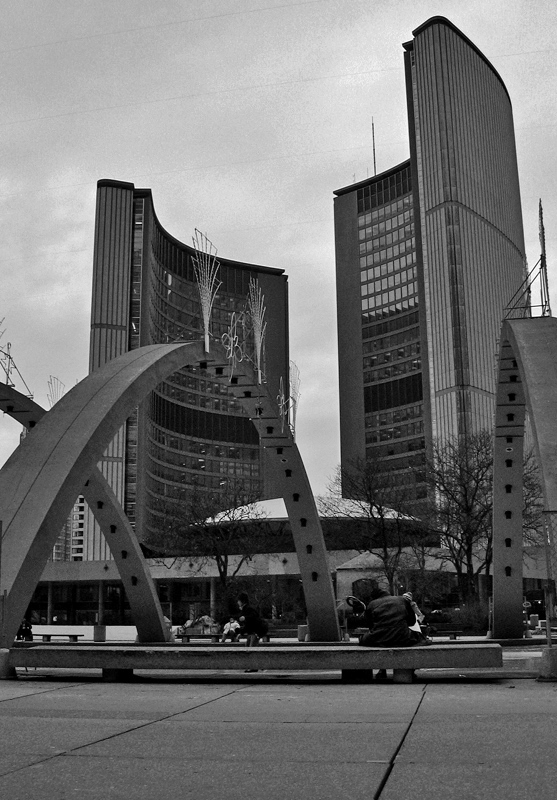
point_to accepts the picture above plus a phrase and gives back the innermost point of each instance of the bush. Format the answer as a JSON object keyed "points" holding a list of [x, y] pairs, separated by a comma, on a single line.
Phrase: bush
{"points": [[472, 616]]}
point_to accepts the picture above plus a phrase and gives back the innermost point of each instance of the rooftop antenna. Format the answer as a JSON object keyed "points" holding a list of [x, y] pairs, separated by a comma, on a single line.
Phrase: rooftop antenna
{"points": [[544, 285], [373, 141], [8, 365]]}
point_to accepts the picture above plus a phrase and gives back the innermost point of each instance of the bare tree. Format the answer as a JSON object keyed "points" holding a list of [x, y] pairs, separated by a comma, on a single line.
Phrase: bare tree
{"points": [[532, 511], [460, 476], [381, 500], [226, 528]]}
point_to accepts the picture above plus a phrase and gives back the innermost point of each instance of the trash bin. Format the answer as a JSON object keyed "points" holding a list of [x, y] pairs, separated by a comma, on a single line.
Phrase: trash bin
{"points": [[99, 633], [302, 633]]}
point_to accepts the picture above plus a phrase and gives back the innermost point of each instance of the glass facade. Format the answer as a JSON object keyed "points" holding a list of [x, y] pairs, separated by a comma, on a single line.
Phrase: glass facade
{"points": [[428, 255], [391, 353]]}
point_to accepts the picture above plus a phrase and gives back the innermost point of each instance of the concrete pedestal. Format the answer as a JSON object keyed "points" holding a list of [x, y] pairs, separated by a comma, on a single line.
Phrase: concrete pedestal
{"points": [[302, 633], [548, 664], [6, 672]]}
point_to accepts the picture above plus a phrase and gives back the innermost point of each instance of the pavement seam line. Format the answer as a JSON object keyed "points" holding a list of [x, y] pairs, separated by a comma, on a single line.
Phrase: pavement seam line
{"points": [[42, 691], [113, 735], [392, 760]]}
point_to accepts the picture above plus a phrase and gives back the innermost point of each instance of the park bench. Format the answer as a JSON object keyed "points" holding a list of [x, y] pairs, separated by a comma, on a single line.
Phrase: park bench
{"points": [[47, 637], [353, 661], [188, 635], [445, 629], [191, 633]]}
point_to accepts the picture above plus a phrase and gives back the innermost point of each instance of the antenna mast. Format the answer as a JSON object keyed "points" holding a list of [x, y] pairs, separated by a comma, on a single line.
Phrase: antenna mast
{"points": [[544, 284], [373, 141]]}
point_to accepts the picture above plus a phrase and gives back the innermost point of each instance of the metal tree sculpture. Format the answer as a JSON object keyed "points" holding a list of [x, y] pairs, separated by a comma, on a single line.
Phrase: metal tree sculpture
{"points": [[206, 267], [257, 309], [55, 390], [231, 342], [283, 405], [294, 395]]}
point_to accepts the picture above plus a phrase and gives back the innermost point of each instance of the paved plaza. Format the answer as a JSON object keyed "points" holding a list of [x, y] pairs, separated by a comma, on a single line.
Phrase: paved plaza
{"points": [[66, 734]]}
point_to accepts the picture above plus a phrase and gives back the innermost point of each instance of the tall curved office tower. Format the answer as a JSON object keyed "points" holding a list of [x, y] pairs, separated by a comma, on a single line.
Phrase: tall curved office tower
{"points": [[428, 256], [190, 435]]}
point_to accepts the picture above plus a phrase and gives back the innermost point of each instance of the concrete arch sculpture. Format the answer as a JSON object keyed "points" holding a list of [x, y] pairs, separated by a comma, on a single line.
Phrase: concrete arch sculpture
{"points": [[527, 381], [42, 478], [144, 604]]}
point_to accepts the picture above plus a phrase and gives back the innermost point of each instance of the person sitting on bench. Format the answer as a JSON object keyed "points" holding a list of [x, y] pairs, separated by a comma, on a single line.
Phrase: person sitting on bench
{"points": [[231, 630], [389, 619], [253, 626]]}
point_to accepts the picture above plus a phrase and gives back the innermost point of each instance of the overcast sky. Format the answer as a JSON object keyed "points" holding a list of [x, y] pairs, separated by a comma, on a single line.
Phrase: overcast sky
{"points": [[243, 117]]}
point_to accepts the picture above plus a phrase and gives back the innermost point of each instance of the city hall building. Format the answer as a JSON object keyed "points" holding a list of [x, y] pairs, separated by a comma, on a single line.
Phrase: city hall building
{"points": [[189, 435], [428, 257]]}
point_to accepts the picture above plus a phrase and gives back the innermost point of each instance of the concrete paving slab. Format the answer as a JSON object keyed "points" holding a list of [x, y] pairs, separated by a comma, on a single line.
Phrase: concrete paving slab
{"points": [[98, 701], [473, 739], [48, 737], [155, 779], [10, 690], [193, 743], [450, 781], [9, 762], [274, 740], [351, 703], [507, 698]]}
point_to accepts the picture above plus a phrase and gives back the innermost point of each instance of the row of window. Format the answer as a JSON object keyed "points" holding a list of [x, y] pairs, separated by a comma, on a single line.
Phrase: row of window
{"points": [[382, 265], [178, 260], [203, 461], [191, 379], [399, 236], [404, 279], [174, 308], [227, 405], [397, 415], [389, 356], [403, 296], [394, 340], [201, 480], [384, 190], [387, 311], [400, 461], [400, 392], [388, 239], [184, 476], [397, 432], [377, 256], [399, 448], [202, 424], [395, 324], [386, 211], [393, 370], [189, 445], [388, 267], [401, 221]]}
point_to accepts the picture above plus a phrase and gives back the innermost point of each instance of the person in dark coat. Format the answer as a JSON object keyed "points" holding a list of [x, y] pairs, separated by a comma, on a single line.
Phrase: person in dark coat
{"points": [[25, 632], [389, 619], [253, 626]]}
